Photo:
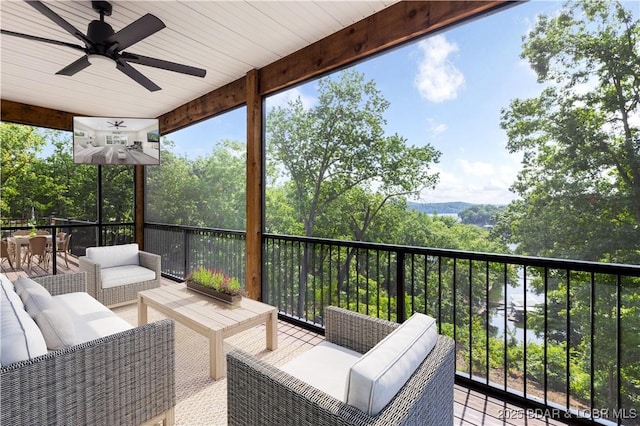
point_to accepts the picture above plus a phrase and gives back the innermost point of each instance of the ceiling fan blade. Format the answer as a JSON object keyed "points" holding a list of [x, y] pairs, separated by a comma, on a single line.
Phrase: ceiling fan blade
{"points": [[75, 66], [137, 30], [137, 76], [45, 40], [162, 64], [40, 7]]}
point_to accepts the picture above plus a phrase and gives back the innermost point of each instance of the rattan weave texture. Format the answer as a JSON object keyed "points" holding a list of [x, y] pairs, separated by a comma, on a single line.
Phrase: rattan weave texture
{"points": [[122, 379], [261, 394], [119, 295]]}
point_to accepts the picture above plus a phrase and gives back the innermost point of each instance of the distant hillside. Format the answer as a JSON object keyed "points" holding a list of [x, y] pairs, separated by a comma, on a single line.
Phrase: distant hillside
{"points": [[453, 207]]}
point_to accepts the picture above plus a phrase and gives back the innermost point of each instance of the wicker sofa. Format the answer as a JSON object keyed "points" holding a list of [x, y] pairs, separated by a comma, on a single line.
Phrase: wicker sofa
{"points": [[277, 397], [125, 378], [115, 274]]}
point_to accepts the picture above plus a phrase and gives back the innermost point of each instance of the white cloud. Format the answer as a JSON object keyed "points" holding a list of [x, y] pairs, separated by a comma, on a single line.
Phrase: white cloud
{"points": [[477, 168], [438, 78], [434, 128], [473, 182], [283, 98]]}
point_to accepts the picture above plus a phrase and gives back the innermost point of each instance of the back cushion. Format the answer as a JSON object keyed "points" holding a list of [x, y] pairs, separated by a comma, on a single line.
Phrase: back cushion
{"points": [[109, 256], [24, 283], [52, 318], [20, 337], [375, 378]]}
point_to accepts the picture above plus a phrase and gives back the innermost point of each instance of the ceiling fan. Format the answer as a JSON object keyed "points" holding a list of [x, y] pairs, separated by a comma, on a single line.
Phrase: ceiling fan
{"points": [[116, 123], [102, 41]]}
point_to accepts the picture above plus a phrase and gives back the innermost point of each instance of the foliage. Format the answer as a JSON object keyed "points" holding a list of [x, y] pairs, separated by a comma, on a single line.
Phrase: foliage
{"points": [[580, 190], [336, 153], [481, 215], [52, 185], [216, 280], [580, 138], [208, 191]]}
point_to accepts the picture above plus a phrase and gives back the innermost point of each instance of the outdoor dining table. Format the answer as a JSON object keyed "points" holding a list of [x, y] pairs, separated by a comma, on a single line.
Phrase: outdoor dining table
{"points": [[23, 240]]}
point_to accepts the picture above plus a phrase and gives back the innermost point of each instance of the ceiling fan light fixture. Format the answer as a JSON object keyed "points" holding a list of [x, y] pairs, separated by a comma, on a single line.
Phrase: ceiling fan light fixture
{"points": [[101, 60]]}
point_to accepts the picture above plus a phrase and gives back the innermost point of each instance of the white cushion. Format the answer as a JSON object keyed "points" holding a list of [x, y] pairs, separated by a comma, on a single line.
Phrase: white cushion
{"points": [[123, 275], [324, 367], [23, 283], [109, 256], [91, 318], [8, 289], [375, 378], [51, 317], [21, 338]]}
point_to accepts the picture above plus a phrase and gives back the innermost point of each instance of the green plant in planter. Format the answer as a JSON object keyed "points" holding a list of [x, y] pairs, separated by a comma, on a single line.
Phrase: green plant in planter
{"points": [[216, 280]]}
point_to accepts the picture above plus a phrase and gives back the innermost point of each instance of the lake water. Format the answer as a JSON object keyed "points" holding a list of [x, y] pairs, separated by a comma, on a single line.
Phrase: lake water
{"points": [[515, 328]]}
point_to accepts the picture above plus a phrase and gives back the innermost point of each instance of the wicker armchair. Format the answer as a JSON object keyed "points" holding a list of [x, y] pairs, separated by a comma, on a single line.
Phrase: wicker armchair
{"points": [[261, 394], [121, 294]]}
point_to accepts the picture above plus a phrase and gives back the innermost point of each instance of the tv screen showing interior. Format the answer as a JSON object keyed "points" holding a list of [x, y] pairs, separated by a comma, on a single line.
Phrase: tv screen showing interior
{"points": [[112, 140]]}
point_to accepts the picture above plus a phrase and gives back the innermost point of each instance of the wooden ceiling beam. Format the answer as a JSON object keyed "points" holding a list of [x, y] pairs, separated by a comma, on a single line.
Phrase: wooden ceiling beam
{"points": [[391, 27], [16, 112], [223, 99]]}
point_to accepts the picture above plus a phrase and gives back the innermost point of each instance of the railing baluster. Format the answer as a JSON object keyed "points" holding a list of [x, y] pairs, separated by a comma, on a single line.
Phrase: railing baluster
{"points": [[284, 264]]}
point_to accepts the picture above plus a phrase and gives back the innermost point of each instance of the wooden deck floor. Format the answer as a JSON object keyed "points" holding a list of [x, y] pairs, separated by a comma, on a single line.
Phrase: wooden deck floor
{"points": [[472, 408]]}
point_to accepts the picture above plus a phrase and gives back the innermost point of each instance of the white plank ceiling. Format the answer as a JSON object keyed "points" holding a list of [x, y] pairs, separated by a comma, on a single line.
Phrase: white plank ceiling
{"points": [[227, 38]]}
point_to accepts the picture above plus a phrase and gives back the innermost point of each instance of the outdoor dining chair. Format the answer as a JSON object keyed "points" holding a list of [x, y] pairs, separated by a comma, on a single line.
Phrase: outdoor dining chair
{"points": [[6, 252], [38, 247], [64, 246]]}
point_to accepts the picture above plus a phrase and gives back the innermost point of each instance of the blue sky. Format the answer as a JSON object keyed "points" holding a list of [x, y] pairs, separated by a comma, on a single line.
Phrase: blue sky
{"points": [[446, 90]]}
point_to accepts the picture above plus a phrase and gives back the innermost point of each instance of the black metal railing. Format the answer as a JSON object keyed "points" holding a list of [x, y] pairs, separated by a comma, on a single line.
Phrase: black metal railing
{"points": [[185, 248], [559, 335], [562, 335]]}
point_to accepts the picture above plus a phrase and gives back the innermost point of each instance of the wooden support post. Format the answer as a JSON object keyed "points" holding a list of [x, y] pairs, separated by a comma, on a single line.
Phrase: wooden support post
{"points": [[139, 205], [254, 186]]}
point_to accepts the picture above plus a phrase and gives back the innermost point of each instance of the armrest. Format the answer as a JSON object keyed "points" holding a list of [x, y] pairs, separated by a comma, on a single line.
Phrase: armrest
{"points": [[151, 261], [64, 283], [92, 270], [277, 398], [124, 378], [353, 330]]}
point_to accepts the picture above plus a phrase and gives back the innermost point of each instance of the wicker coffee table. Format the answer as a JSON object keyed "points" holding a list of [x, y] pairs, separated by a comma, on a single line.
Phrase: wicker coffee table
{"points": [[213, 319]]}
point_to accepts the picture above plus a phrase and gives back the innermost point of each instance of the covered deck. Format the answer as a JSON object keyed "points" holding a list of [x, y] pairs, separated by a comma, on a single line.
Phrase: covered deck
{"points": [[202, 400]]}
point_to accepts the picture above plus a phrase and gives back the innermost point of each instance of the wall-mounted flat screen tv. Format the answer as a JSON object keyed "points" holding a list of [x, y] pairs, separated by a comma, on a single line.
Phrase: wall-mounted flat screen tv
{"points": [[112, 140]]}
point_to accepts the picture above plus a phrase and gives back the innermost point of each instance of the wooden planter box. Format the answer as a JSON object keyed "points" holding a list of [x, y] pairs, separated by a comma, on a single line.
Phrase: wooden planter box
{"points": [[223, 297]]}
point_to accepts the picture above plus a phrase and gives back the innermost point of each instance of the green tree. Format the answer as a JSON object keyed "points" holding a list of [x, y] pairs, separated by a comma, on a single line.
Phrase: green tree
{"points": [[580, 184], [19, 149], [580, 181], [339, 145], [222, 195], [172, 189], [481, 215]]}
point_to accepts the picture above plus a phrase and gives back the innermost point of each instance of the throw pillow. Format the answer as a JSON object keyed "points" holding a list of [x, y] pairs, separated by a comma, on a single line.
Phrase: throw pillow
{"points": [[21, 339], [377, 377], [23, 283], [52, 319]]}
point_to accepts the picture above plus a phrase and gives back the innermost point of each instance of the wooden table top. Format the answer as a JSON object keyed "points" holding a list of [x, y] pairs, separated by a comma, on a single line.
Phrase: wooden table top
{"points": [[200, 310]]}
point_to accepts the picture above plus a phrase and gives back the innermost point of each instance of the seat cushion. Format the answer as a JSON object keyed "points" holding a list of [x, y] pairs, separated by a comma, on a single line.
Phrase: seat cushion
{"points": [[375, 378], [110, 256], [324, 367], [21, 338], [91, 318], [123, 275]]}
